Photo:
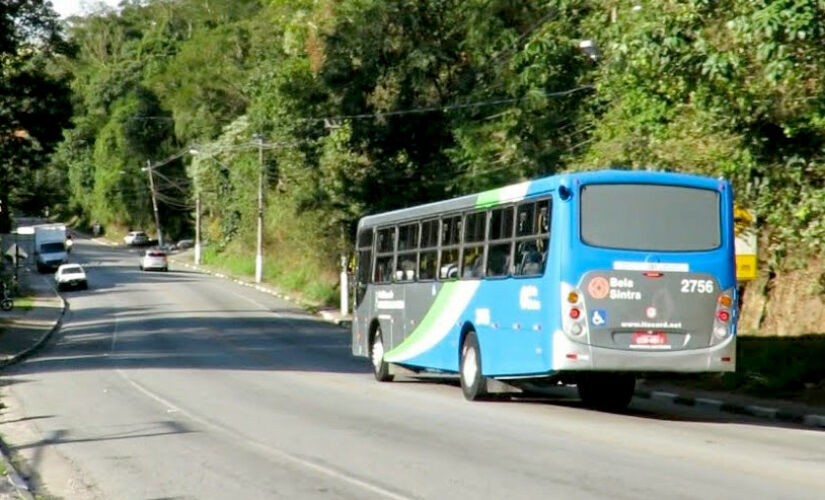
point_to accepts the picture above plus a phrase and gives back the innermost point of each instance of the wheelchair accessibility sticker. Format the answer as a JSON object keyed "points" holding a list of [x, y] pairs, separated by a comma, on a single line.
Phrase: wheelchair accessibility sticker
{"points": [[599, 317]]}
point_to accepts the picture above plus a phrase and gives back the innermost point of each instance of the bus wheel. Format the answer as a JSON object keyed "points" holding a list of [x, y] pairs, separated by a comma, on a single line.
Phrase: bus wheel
{"points": [[473, 385], [380, 368], [606, 391]]}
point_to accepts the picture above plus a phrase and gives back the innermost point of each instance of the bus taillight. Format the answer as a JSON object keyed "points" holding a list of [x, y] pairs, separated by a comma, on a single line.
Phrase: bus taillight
{"points": [[722, 326], [573, 311]]}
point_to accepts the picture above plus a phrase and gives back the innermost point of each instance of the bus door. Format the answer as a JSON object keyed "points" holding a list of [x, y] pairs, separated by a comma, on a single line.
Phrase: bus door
{"points": [[387, 300], [362, 292]]}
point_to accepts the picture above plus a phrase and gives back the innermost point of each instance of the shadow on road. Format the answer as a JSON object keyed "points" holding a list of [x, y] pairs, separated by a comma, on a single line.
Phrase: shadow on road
{"points": [[155, 330], [139, 338]]}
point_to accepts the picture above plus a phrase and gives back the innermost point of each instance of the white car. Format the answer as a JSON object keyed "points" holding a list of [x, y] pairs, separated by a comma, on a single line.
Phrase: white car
{"points": [[135, 238], [154, 259], [70, 276]]}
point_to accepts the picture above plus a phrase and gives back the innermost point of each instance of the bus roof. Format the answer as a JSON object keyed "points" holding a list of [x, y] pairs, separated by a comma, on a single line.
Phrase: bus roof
{"points": [[537, 187]]}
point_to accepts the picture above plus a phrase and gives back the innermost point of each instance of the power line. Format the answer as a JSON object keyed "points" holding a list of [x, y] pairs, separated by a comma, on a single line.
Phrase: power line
{"points": [[169, 159], [152, 118], [449, 107], [173, 183], [510, 50], [381, 114]]}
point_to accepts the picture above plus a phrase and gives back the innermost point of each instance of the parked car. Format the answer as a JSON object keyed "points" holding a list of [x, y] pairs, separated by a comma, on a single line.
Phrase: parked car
{"points": [[70, 276], [154, 259], [136, 238], [184, 244]]}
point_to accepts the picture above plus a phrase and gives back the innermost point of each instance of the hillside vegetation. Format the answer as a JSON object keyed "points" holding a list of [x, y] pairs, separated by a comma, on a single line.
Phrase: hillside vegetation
{"points": [[359, 106]]}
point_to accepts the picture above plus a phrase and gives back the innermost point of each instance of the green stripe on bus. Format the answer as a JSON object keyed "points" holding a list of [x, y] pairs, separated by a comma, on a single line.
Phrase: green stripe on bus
{"points": [[448, 307], [442, 300], [515, 192], [489, 198]]}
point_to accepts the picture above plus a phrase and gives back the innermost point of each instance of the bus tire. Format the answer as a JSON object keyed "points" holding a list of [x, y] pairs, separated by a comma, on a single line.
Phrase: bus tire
{"points": [[606, 391], [380, 368], [473, 384]]}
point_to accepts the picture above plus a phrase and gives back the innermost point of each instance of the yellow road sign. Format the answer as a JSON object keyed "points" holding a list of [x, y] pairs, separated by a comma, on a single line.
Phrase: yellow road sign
{"points": [[746, 243]]}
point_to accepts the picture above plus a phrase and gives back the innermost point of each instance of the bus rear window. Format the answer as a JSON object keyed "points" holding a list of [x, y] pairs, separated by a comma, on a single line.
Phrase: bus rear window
{"points": [[650, 217]]}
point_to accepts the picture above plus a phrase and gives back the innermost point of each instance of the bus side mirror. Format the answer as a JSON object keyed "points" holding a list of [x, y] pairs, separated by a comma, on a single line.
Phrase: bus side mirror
{"points": [[565, 193]]}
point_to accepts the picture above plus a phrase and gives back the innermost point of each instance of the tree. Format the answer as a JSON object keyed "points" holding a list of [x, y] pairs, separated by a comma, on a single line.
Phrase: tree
{"points": [[34, 103]]}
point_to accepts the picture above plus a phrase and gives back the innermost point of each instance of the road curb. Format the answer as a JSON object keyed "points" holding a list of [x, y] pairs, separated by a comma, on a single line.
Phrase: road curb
{"points": [[763, 412], [18, 483], [40, 343]]}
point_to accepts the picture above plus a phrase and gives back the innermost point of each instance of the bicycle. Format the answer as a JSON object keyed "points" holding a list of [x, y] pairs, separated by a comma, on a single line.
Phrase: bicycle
{"points": [[6, 302]]}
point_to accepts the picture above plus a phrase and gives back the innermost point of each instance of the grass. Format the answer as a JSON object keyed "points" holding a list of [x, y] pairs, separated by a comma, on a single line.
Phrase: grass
{"points": [[25, 303], [779, 365], [299, 275], [233, 263], [773, 367]]}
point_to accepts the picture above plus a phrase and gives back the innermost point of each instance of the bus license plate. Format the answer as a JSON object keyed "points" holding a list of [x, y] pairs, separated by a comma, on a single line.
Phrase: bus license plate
{"points": [[649, 338]]}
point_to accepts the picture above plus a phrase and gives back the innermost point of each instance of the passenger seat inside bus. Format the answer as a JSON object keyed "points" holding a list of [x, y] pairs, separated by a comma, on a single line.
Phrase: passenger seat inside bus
{"points": [[531, 263]]}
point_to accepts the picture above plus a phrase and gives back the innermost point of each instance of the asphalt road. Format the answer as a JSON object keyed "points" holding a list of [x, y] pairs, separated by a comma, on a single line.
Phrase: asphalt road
{"points": [[180, 385]]}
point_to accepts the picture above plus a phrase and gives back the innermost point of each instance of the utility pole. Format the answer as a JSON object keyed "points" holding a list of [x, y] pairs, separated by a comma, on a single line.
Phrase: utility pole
{"points": [[344, 286], [198, 228], [259, 256], [154, 202]]}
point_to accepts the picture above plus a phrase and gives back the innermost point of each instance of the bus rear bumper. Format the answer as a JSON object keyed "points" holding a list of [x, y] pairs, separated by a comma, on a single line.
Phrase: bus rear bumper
{"points": [[569, 355]]}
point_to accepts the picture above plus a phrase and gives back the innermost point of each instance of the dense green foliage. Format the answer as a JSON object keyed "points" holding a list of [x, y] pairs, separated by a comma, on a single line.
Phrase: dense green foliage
{"points": [[731, 88], [368, 105], [33, 105]]}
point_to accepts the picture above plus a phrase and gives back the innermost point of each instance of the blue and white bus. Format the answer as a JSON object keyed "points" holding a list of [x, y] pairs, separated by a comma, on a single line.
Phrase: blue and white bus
{"points": [[588, 278]]}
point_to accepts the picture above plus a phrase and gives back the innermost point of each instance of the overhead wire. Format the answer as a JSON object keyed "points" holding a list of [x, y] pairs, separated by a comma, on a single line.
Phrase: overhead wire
{"points": [[252, 145], [450, 107]]}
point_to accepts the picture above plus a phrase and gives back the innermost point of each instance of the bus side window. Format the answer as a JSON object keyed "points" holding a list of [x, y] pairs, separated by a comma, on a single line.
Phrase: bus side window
{"points": [[364, 267], [498, 259], [525, 219], [532, 237], [475, 230], [428, 259], [500, 246], [407, 252], [385, 246], [450, 240], [428, 265], [383, 269], [449, 264], [543, 216], [530, 257]]}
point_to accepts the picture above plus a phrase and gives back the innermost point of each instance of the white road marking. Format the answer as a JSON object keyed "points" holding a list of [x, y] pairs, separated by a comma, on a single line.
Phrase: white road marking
{"points": [[169, 407]]}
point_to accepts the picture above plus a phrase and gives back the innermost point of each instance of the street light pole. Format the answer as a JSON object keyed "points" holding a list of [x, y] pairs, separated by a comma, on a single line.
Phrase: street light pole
{"points": [[195, 152], [259, 256], [154, 202]]}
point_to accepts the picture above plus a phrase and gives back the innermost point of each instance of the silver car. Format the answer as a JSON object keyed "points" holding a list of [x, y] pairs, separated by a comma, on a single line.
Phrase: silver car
{"points": [[154, 259], [136, 238]]}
